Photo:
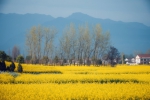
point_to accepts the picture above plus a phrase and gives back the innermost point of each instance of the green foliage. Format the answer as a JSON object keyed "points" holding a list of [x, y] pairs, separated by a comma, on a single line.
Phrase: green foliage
{"points": [[8, 68], [12, 66], [8, 58], [98, 62], [2, 56], [20, 59], [19, 68], [2, 66], [113, 56]]}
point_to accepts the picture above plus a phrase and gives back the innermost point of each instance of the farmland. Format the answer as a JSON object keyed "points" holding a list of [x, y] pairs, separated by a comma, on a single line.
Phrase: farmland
{"points": [[39, 82]]}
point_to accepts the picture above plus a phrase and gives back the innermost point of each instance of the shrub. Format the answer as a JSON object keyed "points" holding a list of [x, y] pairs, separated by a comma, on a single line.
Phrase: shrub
{"points": [[20, 59], [8, 58], [8, 68], [12, 66], [2, 56], [2, 66], [20, 69]]}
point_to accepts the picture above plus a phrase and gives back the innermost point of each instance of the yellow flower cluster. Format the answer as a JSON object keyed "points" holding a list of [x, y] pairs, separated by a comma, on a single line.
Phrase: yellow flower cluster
{"points": [[79, 78], [41, 82], [74, 91], [6, 78]]}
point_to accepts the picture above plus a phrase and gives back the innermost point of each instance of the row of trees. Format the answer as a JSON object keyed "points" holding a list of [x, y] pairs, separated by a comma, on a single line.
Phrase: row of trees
{"points": [[75, 43], [84, 43], [39, 42]]}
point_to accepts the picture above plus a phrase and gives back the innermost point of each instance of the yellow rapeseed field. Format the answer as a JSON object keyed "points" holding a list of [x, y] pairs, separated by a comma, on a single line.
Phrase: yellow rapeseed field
{"points": [[39, 82]]}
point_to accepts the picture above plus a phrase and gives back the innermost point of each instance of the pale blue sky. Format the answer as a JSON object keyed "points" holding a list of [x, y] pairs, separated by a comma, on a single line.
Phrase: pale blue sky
{"points": [[119, 10]]}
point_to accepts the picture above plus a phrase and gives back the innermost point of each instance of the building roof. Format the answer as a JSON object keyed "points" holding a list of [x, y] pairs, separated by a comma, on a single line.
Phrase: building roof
{"points": [[144, 55]]}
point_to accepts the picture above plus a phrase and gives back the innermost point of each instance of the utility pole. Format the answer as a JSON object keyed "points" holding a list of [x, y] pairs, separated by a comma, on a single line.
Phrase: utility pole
{"points": [[122, 58]]}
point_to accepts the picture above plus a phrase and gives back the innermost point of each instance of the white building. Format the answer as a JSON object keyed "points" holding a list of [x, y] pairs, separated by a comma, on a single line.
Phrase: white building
{"points": [[130, 61], [142, 59]]}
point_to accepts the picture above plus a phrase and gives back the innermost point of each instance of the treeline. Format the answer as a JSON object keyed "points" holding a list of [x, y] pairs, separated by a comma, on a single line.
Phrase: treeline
{"points": [[77, 45]]}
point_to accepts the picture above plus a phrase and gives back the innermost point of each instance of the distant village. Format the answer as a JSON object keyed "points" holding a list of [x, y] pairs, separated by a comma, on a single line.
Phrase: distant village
{"points": [[139, 59]]}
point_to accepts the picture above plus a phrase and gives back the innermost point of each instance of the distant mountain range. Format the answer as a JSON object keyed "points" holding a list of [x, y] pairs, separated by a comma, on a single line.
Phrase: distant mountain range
{"points": [[127, 37]]}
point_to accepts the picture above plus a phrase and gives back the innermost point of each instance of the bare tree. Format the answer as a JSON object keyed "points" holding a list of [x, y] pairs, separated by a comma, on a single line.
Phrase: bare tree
{"points": [[32, 44], [39, 42], [15, 52], [29, 43], [68, 41], [39, 36], [80, 43], [100, 41], [65, 45], [97, 36], [104, 44], [87, 50], [74, 44], [49, 35]]}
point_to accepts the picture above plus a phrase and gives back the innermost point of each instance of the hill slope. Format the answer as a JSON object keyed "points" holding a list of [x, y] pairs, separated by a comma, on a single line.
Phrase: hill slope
{"points": [[127, 37]]}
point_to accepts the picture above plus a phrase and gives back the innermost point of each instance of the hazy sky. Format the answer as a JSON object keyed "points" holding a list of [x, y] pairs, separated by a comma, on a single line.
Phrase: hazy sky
{"points": [[119, 10]]}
